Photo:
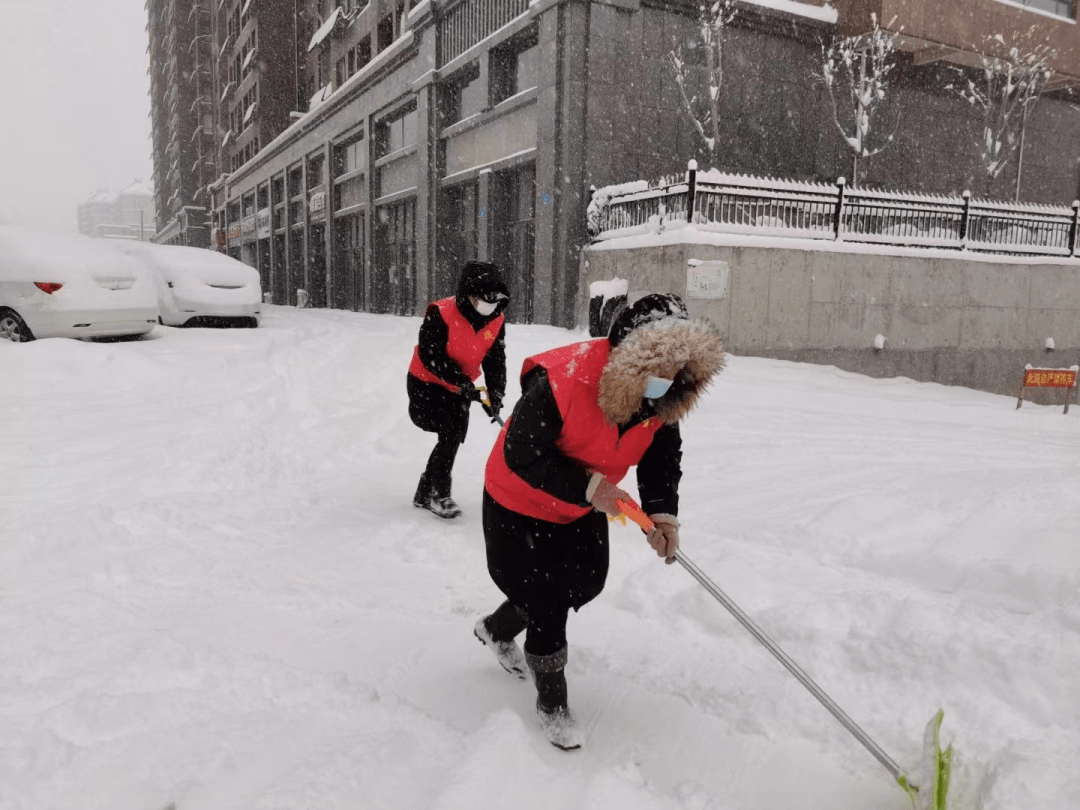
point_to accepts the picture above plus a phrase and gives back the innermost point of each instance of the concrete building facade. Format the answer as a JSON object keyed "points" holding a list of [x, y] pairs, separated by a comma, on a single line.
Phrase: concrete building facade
{"points": [[367, 149]]}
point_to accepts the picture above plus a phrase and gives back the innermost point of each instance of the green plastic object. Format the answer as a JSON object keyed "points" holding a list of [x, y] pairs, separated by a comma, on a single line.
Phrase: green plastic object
{"points": [[937, 766]]}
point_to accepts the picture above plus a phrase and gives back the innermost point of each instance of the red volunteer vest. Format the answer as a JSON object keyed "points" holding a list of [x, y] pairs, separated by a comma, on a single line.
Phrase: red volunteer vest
{"points": [[466, 346], [574, 374]]}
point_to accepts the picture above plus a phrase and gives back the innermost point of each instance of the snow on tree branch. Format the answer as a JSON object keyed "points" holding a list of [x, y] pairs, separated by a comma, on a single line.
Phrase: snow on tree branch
{"points": [[1010, 83], [856, 72], [704, 108]]}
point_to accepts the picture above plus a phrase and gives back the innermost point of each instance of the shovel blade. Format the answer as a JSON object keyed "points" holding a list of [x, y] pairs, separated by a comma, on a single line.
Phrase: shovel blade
{"points": [[935, 769]]}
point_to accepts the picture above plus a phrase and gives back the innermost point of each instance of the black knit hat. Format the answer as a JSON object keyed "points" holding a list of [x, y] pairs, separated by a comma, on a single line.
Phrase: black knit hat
{"points": [[482, 279], [648, 309]]}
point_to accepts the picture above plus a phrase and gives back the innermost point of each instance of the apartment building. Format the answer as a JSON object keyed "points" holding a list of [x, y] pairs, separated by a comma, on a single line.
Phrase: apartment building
{"points": [[182, 112], [405, 138], [127, 214], [256, 75]]}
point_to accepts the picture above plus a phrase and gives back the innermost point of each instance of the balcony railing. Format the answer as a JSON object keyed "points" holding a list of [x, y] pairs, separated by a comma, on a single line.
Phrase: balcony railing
{"points": [[470, 21]]}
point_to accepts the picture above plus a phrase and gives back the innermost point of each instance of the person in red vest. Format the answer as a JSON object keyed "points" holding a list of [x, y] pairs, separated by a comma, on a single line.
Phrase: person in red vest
{"points": [[588, 412], [459, 337]]}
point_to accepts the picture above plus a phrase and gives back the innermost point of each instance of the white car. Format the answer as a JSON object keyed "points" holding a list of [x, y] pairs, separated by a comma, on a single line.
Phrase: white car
{"points": [[67, 285], [196, 286]]}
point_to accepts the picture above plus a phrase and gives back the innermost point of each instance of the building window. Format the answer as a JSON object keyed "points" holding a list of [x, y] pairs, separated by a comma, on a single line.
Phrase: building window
{"points": [[397, 132], [513, 235], [514, 67], [363, 52], [385, 33], [350, 157], [323, 67], [350, 61], [456, 235], [350, 163], [394, 283], [461, 96], [315, 171]]}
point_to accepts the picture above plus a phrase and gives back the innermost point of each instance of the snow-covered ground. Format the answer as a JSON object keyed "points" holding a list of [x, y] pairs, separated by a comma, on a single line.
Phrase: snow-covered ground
{"points": [[215, 592]]}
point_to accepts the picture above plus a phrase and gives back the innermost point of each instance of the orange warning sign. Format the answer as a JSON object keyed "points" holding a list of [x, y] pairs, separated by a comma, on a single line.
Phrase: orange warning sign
{"points": [[1050, 378]]}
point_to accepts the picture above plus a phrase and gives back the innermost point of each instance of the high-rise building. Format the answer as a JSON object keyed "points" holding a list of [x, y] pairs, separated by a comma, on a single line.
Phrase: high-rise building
{"points": [[256, 74], [182, 109]]}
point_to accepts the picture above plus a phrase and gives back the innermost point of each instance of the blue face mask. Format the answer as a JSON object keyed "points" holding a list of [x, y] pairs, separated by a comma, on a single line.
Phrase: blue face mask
{"points": [[656, 387]]}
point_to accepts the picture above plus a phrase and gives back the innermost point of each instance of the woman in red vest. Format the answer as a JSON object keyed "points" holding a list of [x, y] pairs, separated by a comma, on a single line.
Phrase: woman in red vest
{"points": [[459, 337], [588, 412]]}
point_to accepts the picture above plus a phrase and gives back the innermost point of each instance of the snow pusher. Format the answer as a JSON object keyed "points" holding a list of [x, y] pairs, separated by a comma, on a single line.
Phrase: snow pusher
{"points": [[935, 765]]}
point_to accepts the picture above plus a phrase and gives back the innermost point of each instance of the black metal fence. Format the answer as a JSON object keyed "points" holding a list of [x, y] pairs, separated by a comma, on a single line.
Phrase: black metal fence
{"points": [[725, 203]]}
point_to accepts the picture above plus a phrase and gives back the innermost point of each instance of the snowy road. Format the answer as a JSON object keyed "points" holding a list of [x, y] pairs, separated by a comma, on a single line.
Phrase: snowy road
{"points": [[215, 592]]}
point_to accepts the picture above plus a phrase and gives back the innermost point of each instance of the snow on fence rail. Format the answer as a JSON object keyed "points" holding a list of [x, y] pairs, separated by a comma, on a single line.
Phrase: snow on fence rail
{"points": [[745, 204]]}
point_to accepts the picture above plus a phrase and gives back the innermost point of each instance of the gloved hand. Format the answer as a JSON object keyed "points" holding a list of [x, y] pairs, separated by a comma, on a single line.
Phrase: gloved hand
{"points": [[471, 392], [664, 538], [604, 495], [490, 410]]}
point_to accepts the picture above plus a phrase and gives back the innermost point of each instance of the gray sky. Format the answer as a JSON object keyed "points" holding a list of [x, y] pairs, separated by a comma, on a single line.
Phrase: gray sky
{"points": [[73, 105]]}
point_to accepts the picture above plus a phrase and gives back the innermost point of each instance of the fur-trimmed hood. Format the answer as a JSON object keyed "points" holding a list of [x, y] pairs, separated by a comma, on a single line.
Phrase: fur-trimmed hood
{"points": [[686, 350]]}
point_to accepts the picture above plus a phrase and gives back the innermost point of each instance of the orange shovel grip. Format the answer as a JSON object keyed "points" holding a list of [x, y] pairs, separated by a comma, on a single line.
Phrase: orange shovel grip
{"points": [[635, 513]]}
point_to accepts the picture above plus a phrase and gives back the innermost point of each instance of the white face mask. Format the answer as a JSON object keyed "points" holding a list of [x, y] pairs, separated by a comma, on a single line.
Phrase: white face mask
{"points": [[656, 387], [484, 308]]}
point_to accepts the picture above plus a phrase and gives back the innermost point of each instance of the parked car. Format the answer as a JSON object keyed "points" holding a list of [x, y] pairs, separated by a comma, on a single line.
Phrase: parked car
{"points": [[196, 286], [61, 285]]}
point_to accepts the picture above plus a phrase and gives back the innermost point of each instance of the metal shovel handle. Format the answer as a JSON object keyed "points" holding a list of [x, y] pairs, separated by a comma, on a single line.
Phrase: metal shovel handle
{"points": [[792, 667]]}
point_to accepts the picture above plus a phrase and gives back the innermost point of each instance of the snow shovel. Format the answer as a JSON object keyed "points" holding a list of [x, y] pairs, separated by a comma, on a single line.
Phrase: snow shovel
{"points": [[936, 764]]}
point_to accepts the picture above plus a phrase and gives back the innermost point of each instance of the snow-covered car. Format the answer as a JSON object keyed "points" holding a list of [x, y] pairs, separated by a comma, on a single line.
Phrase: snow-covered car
{"points": [[60, 285], [196, 286]]}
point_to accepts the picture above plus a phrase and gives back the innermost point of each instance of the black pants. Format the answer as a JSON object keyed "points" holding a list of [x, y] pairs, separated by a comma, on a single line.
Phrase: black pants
{"points": [[437, 410], [545, 569]]}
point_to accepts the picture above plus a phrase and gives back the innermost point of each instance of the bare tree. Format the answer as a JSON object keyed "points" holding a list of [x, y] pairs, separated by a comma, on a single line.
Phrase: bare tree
{"points": [[715, 15], [856, 72], [1010, 83]]}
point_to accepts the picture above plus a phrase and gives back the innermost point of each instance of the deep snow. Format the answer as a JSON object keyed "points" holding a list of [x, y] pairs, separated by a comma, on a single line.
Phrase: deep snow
{"points": [[215, 592]]}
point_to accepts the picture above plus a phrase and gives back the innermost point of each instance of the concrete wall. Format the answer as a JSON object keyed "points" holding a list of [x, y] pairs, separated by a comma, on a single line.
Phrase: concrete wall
{"points": [[958, 321]]}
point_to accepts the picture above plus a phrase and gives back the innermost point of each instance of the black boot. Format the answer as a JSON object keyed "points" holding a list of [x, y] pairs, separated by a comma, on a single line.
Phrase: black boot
{"points": [[440, 501], [423, 493], [550, 677]]}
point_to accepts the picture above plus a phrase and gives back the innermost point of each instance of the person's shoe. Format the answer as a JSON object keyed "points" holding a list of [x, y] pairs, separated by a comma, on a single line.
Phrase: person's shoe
{"points": [[444, 507], [508, 653], [423, 493], [559, 727]]}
